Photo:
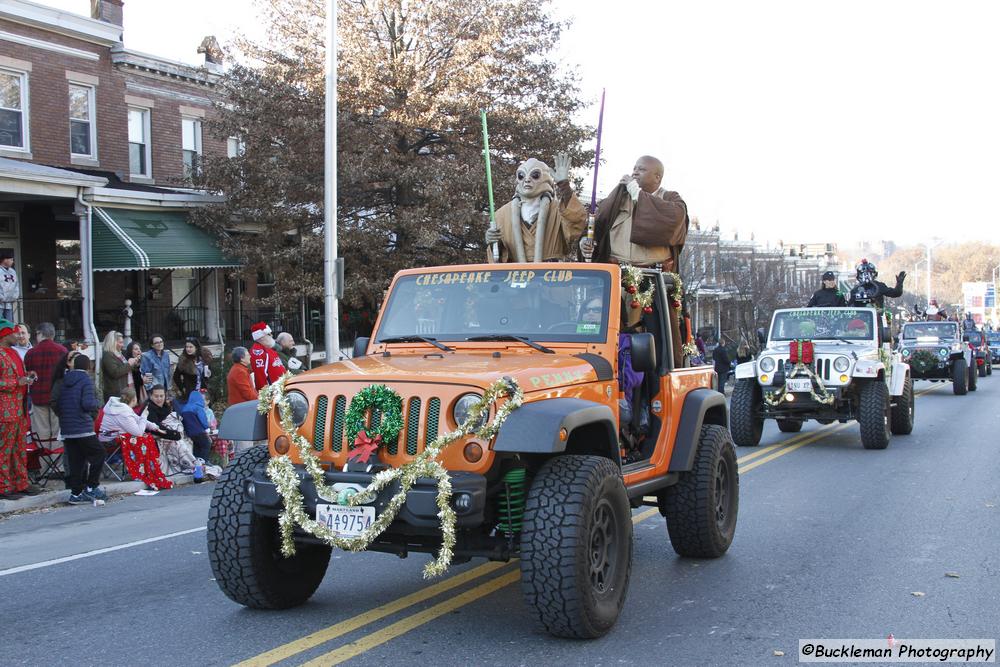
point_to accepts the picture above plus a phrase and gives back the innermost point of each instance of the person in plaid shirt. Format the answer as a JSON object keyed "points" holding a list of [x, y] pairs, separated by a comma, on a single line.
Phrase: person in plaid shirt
{"points": [[43, 359]]}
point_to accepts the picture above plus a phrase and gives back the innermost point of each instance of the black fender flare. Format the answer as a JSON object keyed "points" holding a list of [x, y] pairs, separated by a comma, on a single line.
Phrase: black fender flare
{"points": [[534, 428], [243, 422], [701, 406]]}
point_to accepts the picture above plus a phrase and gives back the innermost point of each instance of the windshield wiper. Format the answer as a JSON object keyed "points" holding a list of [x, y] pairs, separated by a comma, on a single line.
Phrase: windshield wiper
{"points": [[520, 339], [414, 339]]}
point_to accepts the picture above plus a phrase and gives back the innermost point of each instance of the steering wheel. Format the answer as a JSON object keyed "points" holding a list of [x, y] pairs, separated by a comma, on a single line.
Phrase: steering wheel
{"points": [[565, 326]]}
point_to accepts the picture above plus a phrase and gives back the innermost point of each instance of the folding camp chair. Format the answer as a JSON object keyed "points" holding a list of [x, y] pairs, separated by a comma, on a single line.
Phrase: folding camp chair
{"points": [[112, 450], [44, 458]]}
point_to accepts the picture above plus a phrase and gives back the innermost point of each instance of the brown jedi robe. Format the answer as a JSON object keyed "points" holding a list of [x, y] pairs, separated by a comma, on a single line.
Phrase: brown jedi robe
{"points": [[649, 231], [565, 224]]}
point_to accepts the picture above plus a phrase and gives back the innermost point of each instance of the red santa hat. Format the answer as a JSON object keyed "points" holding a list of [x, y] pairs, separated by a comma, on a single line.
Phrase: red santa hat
{"points": [[259, 330]]}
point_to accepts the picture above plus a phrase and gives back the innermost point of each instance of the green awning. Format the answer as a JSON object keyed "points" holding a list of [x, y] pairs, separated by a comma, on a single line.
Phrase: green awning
{"points": [[131, 240]]}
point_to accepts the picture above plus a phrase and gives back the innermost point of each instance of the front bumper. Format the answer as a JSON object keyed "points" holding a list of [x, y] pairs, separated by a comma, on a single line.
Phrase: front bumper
{"points": [[803, 405], [419, 511]]}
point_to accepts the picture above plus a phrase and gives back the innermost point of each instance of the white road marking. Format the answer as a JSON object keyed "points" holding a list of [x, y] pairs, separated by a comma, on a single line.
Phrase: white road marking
{"points": [[97, 552]]}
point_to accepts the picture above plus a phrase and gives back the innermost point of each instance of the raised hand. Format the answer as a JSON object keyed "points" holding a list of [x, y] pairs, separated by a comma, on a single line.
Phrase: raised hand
{"points": [[561, 172]]}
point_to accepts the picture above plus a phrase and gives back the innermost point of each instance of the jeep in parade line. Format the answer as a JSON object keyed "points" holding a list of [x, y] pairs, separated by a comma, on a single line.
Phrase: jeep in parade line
{"points": [[935, 351], [980, 345], [554, 488], [827, 364], [993, 340]]}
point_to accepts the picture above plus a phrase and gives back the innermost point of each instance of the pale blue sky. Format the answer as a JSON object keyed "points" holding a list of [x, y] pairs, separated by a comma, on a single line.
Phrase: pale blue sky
{"points": [[808, 121]]}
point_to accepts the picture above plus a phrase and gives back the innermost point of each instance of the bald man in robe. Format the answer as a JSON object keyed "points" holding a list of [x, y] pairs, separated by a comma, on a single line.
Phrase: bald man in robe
{"points": [[640, 223]]}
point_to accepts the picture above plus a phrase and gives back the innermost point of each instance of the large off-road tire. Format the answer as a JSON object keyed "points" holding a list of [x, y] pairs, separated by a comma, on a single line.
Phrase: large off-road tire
{"points": [[244, 547], [701, 508], [789, 425], [745, 422], [989, 368], [981, 369], [901, 421], [873, 415], [576, 546], [960, 377], [973, 377]]}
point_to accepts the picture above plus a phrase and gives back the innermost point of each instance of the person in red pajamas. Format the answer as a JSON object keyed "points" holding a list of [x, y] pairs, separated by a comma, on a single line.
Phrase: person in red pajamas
{"points": [[265, 364], [14, 385]]}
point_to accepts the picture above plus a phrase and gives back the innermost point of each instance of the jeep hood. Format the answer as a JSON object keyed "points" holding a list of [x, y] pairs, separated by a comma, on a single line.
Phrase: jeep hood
{"points": [[533, 372]]}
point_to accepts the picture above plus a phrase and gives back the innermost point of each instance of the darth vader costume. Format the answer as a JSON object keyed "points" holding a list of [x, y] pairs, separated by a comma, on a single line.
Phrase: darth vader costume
{"points": [[871, 292]]}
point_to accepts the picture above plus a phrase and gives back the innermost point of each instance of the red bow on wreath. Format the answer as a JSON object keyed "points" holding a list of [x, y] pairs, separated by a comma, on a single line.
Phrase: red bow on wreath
{"points": [[801, 351], [364, 447]]}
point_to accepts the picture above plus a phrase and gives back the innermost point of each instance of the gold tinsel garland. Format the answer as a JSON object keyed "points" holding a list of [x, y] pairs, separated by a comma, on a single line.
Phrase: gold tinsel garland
{"points": [[824, 397], [281, 471]]}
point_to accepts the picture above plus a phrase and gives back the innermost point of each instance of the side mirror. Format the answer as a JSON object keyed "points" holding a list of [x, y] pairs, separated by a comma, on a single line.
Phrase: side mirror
{"points": [[643, 352], [360, 346]]}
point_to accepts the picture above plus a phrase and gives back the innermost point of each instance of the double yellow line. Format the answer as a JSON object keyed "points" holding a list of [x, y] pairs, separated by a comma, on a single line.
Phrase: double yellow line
{"points": [[350, 650]]}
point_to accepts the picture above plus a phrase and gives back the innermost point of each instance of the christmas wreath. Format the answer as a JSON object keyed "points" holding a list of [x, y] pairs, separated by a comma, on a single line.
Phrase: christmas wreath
{"points": [[923, 361], [366, 441], [632, 282]]}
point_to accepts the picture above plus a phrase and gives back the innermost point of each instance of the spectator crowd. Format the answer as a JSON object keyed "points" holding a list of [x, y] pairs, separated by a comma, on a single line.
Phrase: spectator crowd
{"points": [[150, 416]]}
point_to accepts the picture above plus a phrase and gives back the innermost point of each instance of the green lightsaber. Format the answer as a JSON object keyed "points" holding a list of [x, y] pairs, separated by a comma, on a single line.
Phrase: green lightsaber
{"points": [[489, 182]]}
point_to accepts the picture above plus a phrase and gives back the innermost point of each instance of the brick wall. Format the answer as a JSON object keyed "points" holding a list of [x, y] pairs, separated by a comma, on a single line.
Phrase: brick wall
{"points": [[48, 88]]}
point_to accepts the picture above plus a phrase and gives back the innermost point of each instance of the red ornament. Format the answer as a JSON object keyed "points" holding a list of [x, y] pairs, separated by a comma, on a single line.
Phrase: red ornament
{"points": [[635, 304], [364, 447], [632, 289], [676, 304], [647, 310]]}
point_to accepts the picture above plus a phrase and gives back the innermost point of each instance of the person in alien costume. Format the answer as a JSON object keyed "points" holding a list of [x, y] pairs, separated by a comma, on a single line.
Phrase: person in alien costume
{"points": [[547, 229]]}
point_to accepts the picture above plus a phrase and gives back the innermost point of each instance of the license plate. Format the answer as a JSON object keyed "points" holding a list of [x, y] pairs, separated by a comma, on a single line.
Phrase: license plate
{"points": [[346, 521], [799, 384]]}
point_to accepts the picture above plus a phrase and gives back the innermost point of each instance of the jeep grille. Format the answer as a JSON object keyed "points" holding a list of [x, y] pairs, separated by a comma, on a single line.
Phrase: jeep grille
{"points": [[820, 366], [412, 408]]}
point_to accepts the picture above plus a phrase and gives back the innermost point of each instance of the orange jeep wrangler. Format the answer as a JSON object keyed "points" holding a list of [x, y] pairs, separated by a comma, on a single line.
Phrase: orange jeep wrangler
{"points": [[554, 488]]}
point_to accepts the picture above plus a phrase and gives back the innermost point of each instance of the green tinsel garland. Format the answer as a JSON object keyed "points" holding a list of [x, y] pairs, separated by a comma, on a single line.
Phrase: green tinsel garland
{"points": [[282, 472], [388, 403], [923, 361], [824, 397]]}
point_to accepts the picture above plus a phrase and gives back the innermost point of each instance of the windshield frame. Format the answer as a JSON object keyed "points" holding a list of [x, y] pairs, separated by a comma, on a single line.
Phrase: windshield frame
{"points": [[870, 338], [951, 326], [498, 275]]}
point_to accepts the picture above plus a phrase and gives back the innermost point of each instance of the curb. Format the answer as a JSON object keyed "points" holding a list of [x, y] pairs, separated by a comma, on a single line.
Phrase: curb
{"points": [[52, 498]]}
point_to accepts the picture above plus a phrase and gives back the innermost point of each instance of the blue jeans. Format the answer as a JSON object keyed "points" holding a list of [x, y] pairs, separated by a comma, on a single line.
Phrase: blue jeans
{"points": [[7, 312]]}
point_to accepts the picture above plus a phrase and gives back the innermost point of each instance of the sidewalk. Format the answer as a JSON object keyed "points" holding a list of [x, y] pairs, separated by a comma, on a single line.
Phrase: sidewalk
{"points": [[57, 496]]}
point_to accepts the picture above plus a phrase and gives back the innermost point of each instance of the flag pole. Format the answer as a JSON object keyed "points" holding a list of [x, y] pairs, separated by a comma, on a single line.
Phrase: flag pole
{"points": [[331, 289], [489, 182]]}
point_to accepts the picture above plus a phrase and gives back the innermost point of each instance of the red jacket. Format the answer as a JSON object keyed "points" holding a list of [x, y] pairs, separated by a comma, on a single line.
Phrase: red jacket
{"points": [[240, 385], [266, 365], [12, 394], [43, 359]]}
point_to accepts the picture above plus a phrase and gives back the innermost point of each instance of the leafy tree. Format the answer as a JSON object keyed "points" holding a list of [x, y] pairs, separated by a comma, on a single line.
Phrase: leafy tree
{"points": [[412, 78]]}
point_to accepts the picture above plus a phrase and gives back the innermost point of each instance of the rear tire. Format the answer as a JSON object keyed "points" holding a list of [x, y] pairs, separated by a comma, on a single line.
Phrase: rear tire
{"points": [[960, 377], [745, 422], [701, 509], [576, 546], [981, 369], [873, 415], [973, 379], [244, 548], [789, 425], [903, 411]]}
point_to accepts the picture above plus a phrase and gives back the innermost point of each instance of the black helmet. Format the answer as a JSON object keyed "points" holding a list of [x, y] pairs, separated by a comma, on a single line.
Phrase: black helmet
{"points": [[866, 271]]}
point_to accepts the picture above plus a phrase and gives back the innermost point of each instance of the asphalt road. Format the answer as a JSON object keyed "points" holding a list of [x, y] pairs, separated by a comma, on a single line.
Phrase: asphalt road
{"points": [[833, 541]]}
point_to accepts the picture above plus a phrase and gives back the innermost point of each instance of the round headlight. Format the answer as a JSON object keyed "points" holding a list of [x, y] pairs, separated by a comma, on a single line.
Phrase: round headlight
{"points": [[767, 364], [463, 407], [943, 352], [906, 352], [300, 407], [841, 364]]}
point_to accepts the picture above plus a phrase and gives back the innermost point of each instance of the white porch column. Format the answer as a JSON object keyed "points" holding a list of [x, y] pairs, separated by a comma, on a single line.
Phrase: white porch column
{"points": [[213, 312]]}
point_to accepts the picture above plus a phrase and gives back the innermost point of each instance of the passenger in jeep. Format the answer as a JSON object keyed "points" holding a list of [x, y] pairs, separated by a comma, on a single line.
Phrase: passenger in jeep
{"points": [[532, 227]]}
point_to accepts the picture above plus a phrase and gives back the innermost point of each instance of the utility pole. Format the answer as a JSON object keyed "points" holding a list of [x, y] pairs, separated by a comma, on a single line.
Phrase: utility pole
{"points": [[331, 287]]}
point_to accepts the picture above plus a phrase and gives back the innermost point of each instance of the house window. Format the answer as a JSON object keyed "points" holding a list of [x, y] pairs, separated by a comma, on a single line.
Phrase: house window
{"points": [[191, 145], [235, 147], [68, 269], [13, 104], [138, 142], [81, 120]]}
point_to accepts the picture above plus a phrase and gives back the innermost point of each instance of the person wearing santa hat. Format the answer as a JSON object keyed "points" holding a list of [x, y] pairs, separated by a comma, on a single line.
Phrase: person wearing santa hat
{"points": [[265, 364]]}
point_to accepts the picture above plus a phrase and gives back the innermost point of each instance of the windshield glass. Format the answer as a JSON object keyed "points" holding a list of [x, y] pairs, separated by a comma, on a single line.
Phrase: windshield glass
{"points": [[554, 305], [823, 323], [975, 338], [929, 330], [993, 338]]}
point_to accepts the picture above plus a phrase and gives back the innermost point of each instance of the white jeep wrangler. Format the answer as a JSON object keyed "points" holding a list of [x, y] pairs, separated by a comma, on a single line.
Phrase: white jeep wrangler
{"points": [[852, 374]]}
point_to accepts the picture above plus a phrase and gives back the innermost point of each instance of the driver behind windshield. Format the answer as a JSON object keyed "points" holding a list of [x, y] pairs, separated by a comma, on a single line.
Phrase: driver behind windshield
{"points": [[592, 311]]}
